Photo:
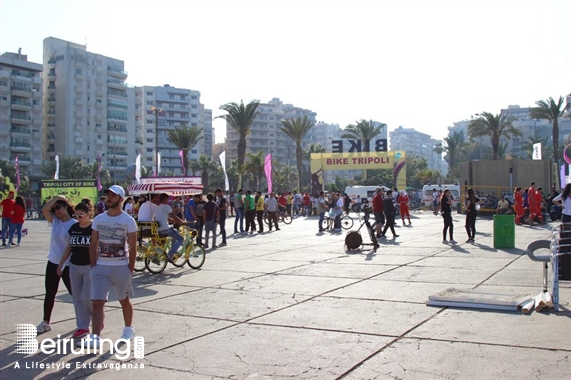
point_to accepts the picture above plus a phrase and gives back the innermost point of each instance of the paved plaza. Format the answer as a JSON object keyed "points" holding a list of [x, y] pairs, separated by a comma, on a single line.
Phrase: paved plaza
{"points": [[294, 304]]}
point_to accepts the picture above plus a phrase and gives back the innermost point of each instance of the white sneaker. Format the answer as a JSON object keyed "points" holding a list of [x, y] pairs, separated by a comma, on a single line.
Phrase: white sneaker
{"points": [[128, 333], [91, 341], [444, 241], [44, 327], [453, 242]]}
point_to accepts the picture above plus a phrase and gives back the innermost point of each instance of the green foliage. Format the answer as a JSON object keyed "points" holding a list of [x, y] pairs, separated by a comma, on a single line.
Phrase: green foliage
{"points": [[494, 126], [204, 165], [551, 110], [240, 117], [185, 139], [296, 129]]}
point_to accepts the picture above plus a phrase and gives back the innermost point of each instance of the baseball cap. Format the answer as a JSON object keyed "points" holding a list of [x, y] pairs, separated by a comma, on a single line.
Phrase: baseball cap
{"points": [[117, 190], [10, 193]]}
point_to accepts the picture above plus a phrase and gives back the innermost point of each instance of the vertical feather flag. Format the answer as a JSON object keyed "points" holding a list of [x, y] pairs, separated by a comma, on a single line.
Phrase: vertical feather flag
{"points": [[158, 165], [181, 154], [56, 174], [562, 176], [223, 163], [99, 187], [268, 170], [138, 168], [17, 174]]}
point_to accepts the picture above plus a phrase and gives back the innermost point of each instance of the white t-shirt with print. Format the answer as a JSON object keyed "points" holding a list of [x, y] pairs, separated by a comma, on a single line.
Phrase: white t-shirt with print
{"points": [[162, 216], [113, 248], [147, 212], [59, 239]]}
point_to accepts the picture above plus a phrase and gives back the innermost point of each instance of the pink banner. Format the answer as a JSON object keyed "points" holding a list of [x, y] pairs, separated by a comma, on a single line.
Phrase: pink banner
{"points": [[562, 177], [17, 174], [268, 170], [181, 154]]}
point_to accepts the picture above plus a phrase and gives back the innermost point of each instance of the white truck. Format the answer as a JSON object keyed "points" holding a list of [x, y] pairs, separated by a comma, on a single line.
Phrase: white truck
{"points": [[427, 190], [365, 192]]}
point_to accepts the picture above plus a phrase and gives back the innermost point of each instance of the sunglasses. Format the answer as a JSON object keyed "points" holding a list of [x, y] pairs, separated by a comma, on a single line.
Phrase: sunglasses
{"points": [[56, 208], [79, 216]]}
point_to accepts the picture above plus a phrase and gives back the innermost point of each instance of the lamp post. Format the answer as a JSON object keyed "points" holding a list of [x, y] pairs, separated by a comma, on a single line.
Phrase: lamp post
{"points": [[156, 110]]}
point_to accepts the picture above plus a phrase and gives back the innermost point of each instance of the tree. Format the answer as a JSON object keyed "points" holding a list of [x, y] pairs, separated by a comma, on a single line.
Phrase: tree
{"points": [[363, 131], [204, 164], [415, 164], [255, 166], [552, 111], [185, 138], [296, 129], [283, 178], [8, 169], [494, 126], [240, 117], [452, 147]]}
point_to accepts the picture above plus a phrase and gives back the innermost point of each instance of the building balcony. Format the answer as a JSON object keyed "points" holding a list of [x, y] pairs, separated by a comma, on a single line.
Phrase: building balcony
{"points": [[99, 141], [112, 71], [118, 94], [51, 100], [20, 119], [78, 90], [78, 102], [51, 137], [114, 83], [21, 105], [78, 139], [20, 130], [20, 147], [23, 92], [79, 77], [51, 75]]}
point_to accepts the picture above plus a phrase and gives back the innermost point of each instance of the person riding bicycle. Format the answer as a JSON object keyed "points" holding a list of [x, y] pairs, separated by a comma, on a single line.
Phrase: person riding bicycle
{"points": [[163, 215]]}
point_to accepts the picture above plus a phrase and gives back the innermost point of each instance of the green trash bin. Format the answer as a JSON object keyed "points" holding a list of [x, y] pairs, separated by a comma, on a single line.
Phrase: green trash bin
{"points": [[504, 231]]}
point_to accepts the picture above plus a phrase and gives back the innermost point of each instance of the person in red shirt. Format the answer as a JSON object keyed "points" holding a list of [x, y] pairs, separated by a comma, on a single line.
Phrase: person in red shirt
{"points": [[7, 205], [534, 200], [403, 202], [282, 200], [378, 211], [18, 213], [306, 205]]}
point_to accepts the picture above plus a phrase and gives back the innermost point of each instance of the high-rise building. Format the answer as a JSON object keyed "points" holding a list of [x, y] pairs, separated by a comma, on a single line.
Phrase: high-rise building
{"points": [[88, 107], [21, 112], [265, 134], [418, 143], [176, 107]]}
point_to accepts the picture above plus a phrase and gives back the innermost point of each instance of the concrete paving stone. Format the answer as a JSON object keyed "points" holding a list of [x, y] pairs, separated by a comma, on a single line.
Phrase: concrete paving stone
{"points": [[520, 277], [244, 351], [338, 270], [306, 255], [33, 268], [436, 274], [234, 305], [256, 265], [425, 359], [202, 278], [480, 250], [534, 330], [379, 258], [4, 276], [382, 290], [290, 284], [6, 299], [463, 262], [9, 262], [361, 316], [525, 263], [29, 286]]}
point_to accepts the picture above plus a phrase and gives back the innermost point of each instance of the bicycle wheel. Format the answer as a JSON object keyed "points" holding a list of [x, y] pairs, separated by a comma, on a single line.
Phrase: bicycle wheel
{"points": [[286, 218], [196, 256], [141, 254], [156, 260], [346, 222]]}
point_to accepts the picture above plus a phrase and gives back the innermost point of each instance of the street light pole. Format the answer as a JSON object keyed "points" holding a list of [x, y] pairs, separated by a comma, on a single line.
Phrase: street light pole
{"points": [[156, 110], [114, 128]]}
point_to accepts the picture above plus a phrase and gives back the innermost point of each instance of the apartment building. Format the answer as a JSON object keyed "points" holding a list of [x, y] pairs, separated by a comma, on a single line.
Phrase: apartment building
{"points": [[421, 144], [175, 107], [87, 107], [21, 112]]}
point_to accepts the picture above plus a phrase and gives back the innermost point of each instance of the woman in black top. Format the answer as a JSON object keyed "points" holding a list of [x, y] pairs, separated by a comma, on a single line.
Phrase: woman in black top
{"points": [[390, 211], [79, 267], [446, 209], [471, 202]]}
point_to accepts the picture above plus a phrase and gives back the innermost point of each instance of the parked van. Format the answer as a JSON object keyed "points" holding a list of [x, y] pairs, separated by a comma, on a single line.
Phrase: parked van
{"points": [[427, 190], [365, 192]]}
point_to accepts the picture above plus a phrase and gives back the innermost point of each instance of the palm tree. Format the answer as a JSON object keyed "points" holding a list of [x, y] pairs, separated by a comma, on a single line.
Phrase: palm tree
{"points": [[494, 126], [255, 166], [296, 129], [549, 110], [240, 117], [363, 131], [204, 164], [283, 178], [185, 139], [69, 168], [452, 146]]}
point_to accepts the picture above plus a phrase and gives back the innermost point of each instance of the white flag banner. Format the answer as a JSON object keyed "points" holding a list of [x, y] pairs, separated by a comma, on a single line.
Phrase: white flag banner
{"points": [[56, 174], [536, 151], [223, 163], [159, 164], [138, 168]]}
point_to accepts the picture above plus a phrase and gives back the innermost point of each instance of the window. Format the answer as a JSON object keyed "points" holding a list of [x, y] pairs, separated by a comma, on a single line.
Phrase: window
{"points": [[193, 106], [149, 140], [149, 93], [149, 150], [193, 115], [150, 121], [78, 71], [194, 97], [149, 103]]}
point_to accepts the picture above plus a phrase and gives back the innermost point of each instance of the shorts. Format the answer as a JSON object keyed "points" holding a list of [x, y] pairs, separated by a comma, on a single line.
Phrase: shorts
{"points": [[103, 277], [379, 217]]}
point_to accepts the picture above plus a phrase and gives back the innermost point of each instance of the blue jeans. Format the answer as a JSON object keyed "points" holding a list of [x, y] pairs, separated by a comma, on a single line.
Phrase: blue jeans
{"points": [[6, 222], [321, 218], [176, 241], [15, 227], [239, 218]]}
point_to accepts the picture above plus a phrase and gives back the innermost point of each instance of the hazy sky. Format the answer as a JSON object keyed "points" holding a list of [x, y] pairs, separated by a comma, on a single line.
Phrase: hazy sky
{"points": [[416, 64]]}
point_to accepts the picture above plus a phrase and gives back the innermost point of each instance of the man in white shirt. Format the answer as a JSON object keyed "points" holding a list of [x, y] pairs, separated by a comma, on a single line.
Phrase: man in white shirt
{"points": [[162, 215], [148, 209], [271, 206]]}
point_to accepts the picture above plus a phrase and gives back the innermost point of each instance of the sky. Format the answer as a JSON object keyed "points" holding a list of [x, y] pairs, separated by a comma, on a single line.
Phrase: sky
{"points": [[416, 64]]}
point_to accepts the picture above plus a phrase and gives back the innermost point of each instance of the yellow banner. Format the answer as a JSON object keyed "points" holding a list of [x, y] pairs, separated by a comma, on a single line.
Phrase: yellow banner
{"points": [[74, 190]]}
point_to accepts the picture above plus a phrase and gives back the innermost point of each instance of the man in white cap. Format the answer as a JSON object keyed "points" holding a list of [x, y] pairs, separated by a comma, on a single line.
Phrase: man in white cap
{"points": [[112, 254]]}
